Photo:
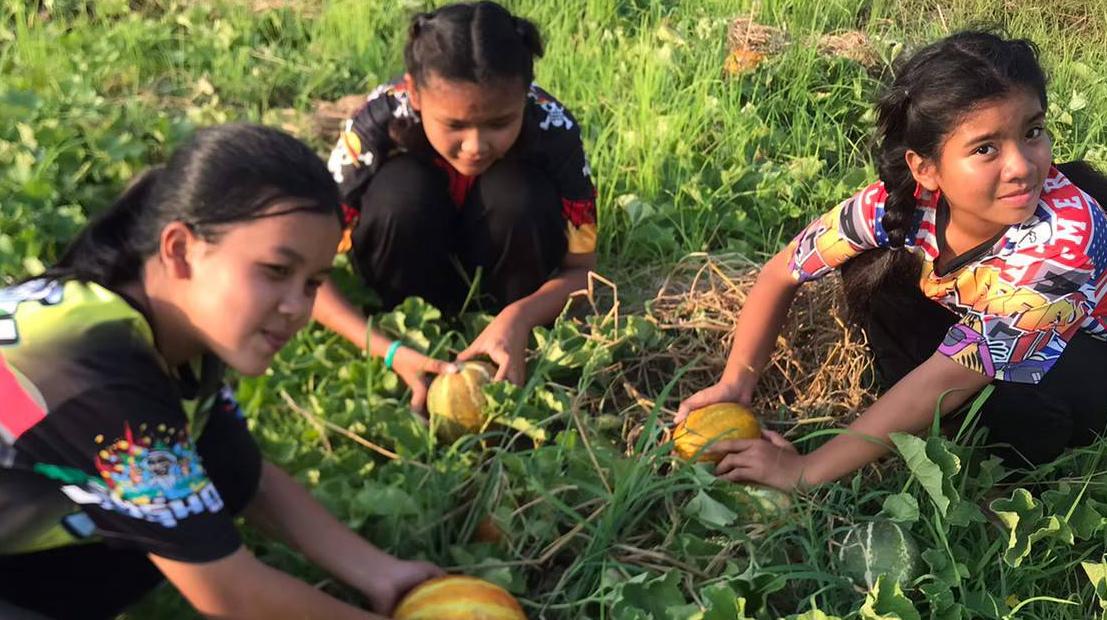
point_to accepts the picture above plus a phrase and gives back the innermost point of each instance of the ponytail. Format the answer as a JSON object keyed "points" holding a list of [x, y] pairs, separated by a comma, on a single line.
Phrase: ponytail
{"points": [[104, 251]]}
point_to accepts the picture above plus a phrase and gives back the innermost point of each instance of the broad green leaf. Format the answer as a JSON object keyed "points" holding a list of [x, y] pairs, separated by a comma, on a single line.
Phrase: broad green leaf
{"points": [[901, 507], [931, 463], [943, 569], [814, 614], [1097, 575], [1022, 514], [709, 511], [652, 596], [943, 604], [886, 601], [723, 603]]}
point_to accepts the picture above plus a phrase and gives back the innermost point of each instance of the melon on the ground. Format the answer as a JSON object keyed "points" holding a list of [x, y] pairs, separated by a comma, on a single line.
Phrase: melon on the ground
{"points": [[761, 504], [882, 547], [457, 597], [711, 424], [456, 401]]}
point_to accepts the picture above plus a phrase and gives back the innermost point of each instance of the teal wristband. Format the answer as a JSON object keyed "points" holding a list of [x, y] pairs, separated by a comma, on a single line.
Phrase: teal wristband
{"points": [[392, 348]]}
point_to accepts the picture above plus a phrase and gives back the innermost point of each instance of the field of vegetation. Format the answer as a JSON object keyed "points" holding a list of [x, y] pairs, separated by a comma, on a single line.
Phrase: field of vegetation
{"points": [[715, 129]]}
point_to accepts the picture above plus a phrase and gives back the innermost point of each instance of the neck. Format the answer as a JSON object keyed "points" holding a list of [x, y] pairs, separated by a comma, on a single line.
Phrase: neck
{"points": [[965, 232], [174, 336]]}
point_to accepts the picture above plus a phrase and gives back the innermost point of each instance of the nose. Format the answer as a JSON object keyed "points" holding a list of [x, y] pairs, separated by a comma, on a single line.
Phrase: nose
{"points": [[1019, 163], [296, 304], [474, 144]]}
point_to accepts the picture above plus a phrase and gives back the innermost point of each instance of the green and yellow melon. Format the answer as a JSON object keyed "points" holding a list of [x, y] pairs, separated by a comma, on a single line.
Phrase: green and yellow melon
{"points": [[761, 504], [711, 424], [879, 548], [457, 597], [456, 401]]}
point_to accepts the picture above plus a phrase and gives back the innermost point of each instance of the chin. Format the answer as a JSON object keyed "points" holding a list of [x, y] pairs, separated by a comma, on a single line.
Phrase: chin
{"points": [[250, 366]]}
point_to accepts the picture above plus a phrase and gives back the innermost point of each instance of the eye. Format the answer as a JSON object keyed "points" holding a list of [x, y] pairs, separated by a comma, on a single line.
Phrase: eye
{"points": [[277, 272], [313, 286], [1035, 133], [985, 149]]}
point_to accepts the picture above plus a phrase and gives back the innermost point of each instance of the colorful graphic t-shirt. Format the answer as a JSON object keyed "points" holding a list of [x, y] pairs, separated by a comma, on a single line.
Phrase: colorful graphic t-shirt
{"points": [[1020, 300], [99, 441], [550, 139]]}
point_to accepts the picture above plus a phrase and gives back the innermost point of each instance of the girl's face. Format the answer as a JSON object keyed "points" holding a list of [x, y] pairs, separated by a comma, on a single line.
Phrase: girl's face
{"points": [[992, 166], [470, 125], [249, 291]]}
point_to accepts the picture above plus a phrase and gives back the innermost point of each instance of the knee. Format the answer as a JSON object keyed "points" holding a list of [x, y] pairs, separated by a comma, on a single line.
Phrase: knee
{"points": [[405, 189], [516, 195]]}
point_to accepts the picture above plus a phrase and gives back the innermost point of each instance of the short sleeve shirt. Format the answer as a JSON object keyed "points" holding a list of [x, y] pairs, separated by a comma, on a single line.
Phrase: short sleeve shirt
{"points": [[99, 439], [1020, 301], [550, 139]]}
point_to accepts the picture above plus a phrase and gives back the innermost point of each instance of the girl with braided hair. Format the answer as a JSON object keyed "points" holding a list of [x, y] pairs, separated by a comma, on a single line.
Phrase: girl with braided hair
{"points": [[972, 261], [464, 166]]}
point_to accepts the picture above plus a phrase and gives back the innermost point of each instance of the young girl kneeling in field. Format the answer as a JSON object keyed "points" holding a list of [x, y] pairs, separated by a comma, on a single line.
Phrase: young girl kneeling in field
{"points": [[123, 456], [465, 165], [974, 260]]}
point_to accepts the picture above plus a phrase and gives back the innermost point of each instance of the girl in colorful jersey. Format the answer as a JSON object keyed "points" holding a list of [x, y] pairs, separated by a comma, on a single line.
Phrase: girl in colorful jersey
{"points": [[124, 459], [972, 261], [464, 166]]}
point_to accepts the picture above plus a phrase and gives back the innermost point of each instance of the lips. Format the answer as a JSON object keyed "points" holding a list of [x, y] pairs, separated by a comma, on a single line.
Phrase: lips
{"points": [[1021, 197], [275, 340]]}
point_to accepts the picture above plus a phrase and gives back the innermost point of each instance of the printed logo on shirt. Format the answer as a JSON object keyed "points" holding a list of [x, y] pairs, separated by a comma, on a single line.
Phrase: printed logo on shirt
{"points": [[156, 477]]}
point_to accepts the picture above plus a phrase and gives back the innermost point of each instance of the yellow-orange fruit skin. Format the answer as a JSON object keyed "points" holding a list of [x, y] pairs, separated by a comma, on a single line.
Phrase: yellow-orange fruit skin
{"points": [[710, 425], [456, 400], [458, 597]]}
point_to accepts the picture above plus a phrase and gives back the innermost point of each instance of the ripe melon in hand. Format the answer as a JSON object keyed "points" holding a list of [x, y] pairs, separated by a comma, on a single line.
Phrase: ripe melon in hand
{"points": [[883, 547], [456, 597], [710, 425], [456, 400]]}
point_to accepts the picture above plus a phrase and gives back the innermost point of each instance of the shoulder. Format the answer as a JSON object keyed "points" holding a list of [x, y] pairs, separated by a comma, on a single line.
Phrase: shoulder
{"points": [[1061, 246], [54, 314], [550, 114]]}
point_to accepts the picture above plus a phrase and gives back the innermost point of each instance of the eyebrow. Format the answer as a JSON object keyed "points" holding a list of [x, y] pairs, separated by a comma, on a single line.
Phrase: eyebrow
{"points": [[1037, 117], [291, 254], [465, 121]]}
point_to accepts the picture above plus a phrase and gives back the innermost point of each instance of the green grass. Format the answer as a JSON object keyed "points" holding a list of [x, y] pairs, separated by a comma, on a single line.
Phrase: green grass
{"points": [[686, 160]]}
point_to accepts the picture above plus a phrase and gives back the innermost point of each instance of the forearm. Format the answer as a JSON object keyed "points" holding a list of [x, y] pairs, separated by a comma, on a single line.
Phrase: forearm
{"points": [[908, 407], [334, 311], [286, 511], [761, 319], [240, 587], [545, 304]]}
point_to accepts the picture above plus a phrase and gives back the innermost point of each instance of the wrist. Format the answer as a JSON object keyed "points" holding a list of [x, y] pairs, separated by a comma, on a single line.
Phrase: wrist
{"points": [[738, 373]]}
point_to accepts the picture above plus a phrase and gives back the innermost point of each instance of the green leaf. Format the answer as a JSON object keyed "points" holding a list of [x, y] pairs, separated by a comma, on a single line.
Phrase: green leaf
{"points": [[902, 508], [943, 604], [709, 511], [651, 597], [814, 614], [1097, 574], [886, 601], [932, 464], [942, 567], [1022, 514], [723, 603]]}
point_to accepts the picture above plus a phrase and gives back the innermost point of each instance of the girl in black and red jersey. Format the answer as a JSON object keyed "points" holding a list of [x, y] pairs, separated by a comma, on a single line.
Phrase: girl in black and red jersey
{"points": [[124, 458], [464, 166], [972, 261]]}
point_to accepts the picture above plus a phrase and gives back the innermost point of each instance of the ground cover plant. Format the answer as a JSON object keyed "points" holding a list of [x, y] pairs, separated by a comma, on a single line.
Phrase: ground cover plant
{"points": [[715, 130]]}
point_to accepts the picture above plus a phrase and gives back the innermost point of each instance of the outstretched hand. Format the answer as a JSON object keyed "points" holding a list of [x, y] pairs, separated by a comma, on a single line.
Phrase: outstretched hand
{"points": [[413, 367], [504, 340], [771, 460]]}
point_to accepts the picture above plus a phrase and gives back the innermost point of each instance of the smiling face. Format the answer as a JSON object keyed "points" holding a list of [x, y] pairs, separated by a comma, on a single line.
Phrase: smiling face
{"points": [[252, 288], [470, 125], [991, 167]]}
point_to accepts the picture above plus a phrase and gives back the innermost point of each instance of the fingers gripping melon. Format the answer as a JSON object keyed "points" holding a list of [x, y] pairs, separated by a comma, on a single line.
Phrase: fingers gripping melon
{"points": [[459, 598], [711, 424], [456, 400], [870, 550]]}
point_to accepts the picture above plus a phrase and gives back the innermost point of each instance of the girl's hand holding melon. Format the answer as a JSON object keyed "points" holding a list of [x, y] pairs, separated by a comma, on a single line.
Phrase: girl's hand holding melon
{"points": [[738, 391], [389, 582], [505, 342], [413, 367], [770, 460]]}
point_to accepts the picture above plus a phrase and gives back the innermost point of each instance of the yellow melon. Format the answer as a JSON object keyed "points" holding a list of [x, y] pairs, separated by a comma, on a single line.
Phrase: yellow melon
{"points": [[711, 424], [458, 597], [456, 400]]}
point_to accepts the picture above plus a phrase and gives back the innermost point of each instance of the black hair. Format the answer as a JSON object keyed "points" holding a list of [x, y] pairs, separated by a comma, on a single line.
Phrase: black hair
{"points": [[932, 91], [219, 176], [478, 42]]}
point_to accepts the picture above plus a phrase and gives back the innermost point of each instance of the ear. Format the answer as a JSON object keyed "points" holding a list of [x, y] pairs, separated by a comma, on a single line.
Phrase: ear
{"points": [[923, 169], [412, 91], [177, 243]]}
